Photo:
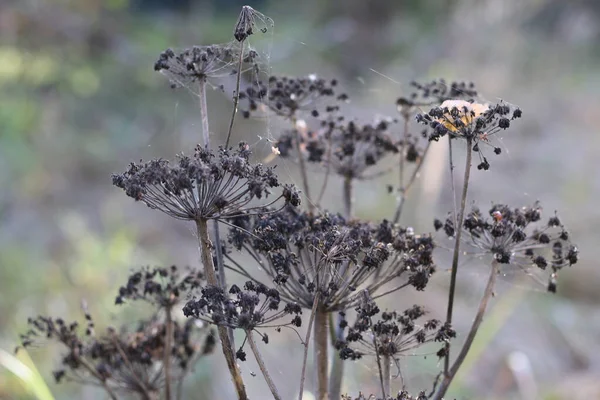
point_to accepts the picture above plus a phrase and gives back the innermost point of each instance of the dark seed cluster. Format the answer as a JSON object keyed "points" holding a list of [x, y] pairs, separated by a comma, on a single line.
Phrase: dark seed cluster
{"points": [[402, 395], [474, 122], [518, 237], [163, 287], [129, 361], [247, 23], [287, 96], [393, 335], [435, 92], [306, 254], [347, 149], [253, 306], [200, 63], [204, 186]]}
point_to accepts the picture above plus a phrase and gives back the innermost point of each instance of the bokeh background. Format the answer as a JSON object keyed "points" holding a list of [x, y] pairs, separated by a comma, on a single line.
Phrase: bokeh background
{"points": [[79, 100]]}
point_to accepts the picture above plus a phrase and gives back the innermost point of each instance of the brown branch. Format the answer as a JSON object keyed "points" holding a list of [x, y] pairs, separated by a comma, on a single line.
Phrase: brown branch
{"points": [[487, 294], [211, 277], [262, 366], [311, 319], [455, 256]]}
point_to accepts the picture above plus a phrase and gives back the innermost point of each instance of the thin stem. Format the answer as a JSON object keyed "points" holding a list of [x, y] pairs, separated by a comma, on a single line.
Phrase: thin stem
{"points": [[386, 375], [337, 367], [328, 169], [262, 366], [211, 278], [236, 96], [487, 294], [168, 350], [127, 361], [96, 375], [348, 198], [321, 349], [204, 112], [311, 319], [451, 161], [456, 254], [206, 138], [405, 189], [382, 380], [302, 164], [221, 267]]}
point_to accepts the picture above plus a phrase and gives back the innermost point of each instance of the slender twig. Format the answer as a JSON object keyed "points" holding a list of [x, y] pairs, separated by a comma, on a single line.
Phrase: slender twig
{"points": [[206, 138], [337, 366], [386, 375], [328, 167], [348, 197], [236, 95], [487, 294], [168, 350], [382, 380], [321, 350], [455, 256], [127, 361], [311, 319], [452, 185], [96, 375], [302, 164], [203, 112], [262, 366], [211, 278], [221, 267], [405, 189]]}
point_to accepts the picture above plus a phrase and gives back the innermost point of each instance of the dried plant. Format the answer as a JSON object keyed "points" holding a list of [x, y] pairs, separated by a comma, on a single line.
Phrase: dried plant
{"points": [[308, 270]]}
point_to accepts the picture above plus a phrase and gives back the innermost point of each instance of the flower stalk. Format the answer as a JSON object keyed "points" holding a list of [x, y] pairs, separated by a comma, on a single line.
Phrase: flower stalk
{"points": [[456, 253], [211, 277]]}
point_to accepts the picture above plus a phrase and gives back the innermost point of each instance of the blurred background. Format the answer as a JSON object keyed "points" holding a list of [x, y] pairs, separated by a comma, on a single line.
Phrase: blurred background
{"points": [[79, 100]]}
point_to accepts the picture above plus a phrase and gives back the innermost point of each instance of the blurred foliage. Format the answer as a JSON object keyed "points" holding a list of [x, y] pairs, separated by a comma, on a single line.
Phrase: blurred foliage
{"points": [[79, 100]]}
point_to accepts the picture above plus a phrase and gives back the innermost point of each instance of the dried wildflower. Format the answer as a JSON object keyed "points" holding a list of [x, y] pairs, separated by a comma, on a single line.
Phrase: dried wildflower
{"points": [[402, 395], [203, 186], [477, 123], [124, 361], [247, 22], [288, 96], [163, 287], [434, 92], [393, 336], [248, 308], [347, 148], [306, 254], [200, 63], [517, 238]]}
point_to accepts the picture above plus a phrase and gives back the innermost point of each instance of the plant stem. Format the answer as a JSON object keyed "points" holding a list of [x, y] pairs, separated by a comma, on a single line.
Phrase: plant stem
{"points": [[211, 278], [145, 394], [262, 366], [382, 380], [487, 294], [206, 138], [386, 375], [236, 96], [311, 319], [168, 350], [348, 198], [203, 112], [337, 367], [221, 267], [321, 349], [455, 256], [303, 173], [404, 189], [96, 375]]}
